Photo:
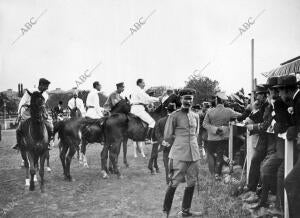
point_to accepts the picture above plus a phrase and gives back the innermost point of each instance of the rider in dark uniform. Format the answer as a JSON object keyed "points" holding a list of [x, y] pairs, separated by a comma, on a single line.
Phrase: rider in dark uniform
{"points": [[183, 127]]}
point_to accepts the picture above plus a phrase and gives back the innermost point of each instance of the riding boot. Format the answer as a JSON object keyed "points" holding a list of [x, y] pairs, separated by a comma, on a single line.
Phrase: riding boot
{"points": [[187, 201], [149, 133], [50, 131], [19, 139], [169, 199]]}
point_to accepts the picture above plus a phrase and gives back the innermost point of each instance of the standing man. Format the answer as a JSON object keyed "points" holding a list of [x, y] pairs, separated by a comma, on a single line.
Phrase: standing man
{"points": [[94, 110], [183, 127], [216, 123], [140, 99], [76, 102], [290, 94], [24, 112], [58, 110], [159, 134], [115, 97]]}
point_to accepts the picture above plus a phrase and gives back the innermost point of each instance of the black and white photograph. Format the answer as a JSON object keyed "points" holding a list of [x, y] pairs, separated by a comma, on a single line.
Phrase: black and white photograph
{"points": [[158, 108]]}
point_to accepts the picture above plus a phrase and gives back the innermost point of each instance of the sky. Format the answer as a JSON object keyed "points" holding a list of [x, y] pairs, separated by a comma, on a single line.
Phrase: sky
{"points": [[175, 39]]}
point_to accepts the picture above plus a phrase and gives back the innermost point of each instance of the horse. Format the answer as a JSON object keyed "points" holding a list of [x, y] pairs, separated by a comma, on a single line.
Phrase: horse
{"points": [[94, 132], [35, 139], [118, 127], [69, 139]]}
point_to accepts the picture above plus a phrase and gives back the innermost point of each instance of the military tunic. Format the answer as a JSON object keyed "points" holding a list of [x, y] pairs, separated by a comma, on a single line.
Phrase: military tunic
{"points": [[184, 154]]}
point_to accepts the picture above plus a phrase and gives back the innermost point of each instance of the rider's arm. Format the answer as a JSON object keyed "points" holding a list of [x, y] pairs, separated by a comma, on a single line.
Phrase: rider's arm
{"points": [[169, 132]]}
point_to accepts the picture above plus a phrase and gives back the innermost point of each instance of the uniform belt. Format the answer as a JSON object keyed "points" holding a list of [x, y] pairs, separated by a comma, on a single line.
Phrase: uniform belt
{"points": [[139, 104], [90, 107]]}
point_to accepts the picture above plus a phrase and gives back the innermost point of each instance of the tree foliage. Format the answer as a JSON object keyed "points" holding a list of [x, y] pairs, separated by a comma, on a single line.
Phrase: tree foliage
{"points": [[11, 104], [204, 86]]}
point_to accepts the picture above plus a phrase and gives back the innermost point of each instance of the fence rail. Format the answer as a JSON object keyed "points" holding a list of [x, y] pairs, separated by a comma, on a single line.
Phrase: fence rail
{"points": [[288, 156]]}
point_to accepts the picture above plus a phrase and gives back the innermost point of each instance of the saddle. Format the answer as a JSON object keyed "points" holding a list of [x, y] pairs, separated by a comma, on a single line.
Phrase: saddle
{"points": [[137, 120]]}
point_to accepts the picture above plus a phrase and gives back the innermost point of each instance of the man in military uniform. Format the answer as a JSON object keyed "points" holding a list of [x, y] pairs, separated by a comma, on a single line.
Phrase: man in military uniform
{"points": [[24, 112], [182, 127], [77, 102], [115, 97]]}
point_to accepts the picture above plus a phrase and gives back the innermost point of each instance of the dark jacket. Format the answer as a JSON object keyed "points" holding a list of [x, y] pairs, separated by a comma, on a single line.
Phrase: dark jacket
{"points": [[159, 132]]}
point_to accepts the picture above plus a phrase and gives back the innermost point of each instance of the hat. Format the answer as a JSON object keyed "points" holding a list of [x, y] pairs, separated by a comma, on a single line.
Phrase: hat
{"points": [[187, 92], [44, 81], [271, 81], [222, 95], [121, 84], [286, 81], [260, 89], [196, 107], [171, 107]]}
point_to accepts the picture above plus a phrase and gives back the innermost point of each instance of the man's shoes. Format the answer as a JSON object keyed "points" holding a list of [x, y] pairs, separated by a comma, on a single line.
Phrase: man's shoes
{"points": [[187, 213]]}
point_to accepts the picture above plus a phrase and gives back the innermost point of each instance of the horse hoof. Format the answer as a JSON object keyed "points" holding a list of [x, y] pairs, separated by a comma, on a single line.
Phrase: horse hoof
{"points": [[27, 182], [157, 171], [120, 176], [86, 165], [126, 165], [48, 169], [31, 187]]}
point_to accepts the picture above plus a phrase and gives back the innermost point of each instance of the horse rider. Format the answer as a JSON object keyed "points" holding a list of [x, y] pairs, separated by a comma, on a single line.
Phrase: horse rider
{"points": [[115, 97], [182, 128], [139, 99], [24, 112], [58, 110], [94, 110], [76, 102]]}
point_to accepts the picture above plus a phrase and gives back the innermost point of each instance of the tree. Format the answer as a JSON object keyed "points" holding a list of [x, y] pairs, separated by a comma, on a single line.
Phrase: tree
{"points": [[11, 104], [204, 86]]}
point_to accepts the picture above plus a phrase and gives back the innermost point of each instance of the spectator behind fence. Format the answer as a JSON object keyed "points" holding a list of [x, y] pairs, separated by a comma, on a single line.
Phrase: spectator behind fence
{"points": [[216, 123], [290, 94]]}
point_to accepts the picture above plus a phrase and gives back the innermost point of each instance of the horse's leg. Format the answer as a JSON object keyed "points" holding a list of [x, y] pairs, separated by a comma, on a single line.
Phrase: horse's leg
{"points": [[134, 149], [152, 157], [41, 170], [36, 166], [104, 156], [83, 151], [141, 146], [26, 165], [32, 170], [48, 161], [113, 156], [110, 165], [72, 151], [125, 140], [62, 154]]}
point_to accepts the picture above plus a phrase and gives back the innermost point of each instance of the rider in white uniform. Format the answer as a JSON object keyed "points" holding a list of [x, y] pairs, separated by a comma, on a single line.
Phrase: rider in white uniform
{"points": [[139, 99], [94, 110], [77, 102]]}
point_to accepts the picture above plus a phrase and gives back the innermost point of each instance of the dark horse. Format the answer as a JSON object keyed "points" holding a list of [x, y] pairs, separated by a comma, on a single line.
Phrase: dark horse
{"points": [[35, 139], [118, 127], [69, 139]]}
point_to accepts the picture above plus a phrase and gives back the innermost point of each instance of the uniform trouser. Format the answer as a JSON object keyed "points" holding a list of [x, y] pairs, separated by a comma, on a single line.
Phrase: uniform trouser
{"points": [[183, 171], [139, 110], [219, 148], [292, 187], [254, 173], [166, 163], [272, 177]]}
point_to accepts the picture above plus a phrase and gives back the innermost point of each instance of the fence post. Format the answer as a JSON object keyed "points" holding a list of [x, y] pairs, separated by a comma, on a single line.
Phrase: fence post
{"points": [[230, 142], [4, 115], [288, 166], [249, 153]]}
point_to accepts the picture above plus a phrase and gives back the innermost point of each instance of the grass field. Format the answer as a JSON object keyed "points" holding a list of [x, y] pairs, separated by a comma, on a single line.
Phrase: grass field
{"points": [[138, 194]]}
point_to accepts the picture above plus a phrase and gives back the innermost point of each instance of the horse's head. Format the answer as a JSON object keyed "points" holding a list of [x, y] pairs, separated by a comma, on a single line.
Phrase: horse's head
{"points": [[37, 106], [122, 106]]}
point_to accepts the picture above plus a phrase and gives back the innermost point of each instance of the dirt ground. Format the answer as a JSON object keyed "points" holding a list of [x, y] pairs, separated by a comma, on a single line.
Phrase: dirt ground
{"points": [[137, 194]]}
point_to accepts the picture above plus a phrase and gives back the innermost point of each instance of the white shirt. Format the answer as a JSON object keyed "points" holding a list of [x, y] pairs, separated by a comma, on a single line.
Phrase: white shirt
{"points": [[93, 101], [25, 100], [139, 96], [79, 104]]}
